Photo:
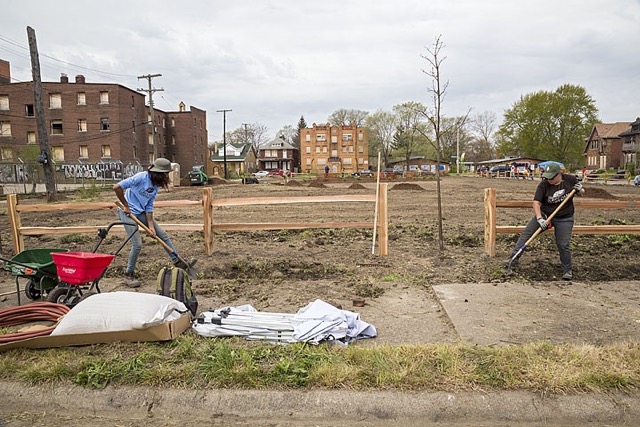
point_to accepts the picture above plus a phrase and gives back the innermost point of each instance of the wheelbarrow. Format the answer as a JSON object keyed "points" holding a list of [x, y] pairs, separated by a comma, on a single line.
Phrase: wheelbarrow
{"points": [[79, 273], [37, 267]]}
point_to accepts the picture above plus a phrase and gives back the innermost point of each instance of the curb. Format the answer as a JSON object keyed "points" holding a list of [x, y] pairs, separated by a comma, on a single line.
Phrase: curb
{"points": [[387, 407]]}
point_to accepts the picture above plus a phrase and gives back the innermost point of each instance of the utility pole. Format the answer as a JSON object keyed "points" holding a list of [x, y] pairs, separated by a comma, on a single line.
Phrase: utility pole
{"points": [[224, 139], [246, 137], [150, 91], [45, 153]]}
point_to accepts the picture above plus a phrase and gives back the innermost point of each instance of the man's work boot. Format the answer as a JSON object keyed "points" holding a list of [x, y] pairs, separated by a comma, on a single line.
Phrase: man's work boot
{"points": [[130, 280], [185, 265]]}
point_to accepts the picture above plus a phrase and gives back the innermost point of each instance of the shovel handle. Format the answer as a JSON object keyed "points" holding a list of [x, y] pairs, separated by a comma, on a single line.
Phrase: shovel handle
{"points": [[550, 217], [145, 228]]}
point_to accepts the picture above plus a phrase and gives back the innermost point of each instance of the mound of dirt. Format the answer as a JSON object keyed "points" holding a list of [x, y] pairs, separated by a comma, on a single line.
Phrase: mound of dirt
{"points": [[599, 193], [357, 186], [214, 180], [293, 183], [317, 184], [407, 186]]}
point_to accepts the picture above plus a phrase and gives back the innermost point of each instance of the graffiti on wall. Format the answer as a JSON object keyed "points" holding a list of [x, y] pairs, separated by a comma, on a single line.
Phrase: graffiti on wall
{"points": [[115, 171]]}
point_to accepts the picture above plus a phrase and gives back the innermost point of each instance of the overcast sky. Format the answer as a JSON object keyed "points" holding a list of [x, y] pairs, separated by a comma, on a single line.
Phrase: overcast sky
{"points": [[271, 61]]}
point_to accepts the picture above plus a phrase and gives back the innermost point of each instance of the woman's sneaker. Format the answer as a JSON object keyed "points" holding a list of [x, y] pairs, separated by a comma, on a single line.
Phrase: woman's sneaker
{"points": [[130, 280], [567, 276]]}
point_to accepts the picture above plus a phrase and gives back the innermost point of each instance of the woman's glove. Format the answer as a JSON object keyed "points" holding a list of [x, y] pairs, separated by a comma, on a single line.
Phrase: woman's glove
{"points": [[542, 223], [578, 187]]}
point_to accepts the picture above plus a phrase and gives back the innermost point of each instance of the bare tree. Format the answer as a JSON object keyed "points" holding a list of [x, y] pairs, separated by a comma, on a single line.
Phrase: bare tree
{"points": [[438, 91], [348, 117], [254, 133]]}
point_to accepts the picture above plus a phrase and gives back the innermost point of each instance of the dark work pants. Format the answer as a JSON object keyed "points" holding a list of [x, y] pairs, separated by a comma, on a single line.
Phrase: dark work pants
{"points": [[562, 229]]}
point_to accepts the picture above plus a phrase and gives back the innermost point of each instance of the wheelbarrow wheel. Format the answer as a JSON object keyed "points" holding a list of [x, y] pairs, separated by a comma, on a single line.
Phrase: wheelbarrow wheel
{"points": [[31, 291], [64, 296]]}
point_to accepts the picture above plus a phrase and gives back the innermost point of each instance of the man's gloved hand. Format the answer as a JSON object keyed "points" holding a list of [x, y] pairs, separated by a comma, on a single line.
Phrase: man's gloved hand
{"points": [[578, 187], [542, 223]]}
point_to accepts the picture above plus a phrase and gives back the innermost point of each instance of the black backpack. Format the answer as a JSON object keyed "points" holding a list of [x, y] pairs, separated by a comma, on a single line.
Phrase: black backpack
{"points": [[174, 282]]}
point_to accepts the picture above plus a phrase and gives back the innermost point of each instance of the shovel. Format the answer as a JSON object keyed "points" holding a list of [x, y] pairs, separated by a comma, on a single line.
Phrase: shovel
{"points": [[515, 256], [192, 272]]}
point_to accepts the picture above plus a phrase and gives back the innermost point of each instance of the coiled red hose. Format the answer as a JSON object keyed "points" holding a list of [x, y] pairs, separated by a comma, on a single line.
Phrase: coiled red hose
{"points": [[34, 312]]}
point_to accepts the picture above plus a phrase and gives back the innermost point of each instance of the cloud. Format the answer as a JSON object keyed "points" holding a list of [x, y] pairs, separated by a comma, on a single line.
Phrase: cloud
{"points": [[273, 61]]}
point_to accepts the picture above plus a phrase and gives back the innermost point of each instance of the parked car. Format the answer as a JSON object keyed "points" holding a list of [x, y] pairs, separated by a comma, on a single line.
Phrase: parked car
{"points": [[260, 174], [636, 180], [197, 176], [280, 172], [364, 173], [502, 170]]}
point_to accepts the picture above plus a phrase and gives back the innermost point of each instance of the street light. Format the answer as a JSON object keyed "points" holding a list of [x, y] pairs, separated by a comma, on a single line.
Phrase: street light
{"points": [[224, 139]]}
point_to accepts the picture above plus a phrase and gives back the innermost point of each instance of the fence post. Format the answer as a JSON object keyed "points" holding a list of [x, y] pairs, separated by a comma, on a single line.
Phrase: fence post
{"points": [[207, 211], [490, 221], [14, 223], [383, 220]]}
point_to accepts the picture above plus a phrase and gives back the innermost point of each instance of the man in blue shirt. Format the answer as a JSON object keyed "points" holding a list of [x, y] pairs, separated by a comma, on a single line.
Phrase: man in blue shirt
{"points": [[137, 194]]}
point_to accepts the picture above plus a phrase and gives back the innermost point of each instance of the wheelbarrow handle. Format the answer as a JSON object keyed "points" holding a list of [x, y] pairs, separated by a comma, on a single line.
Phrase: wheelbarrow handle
{"points": [[145, 228]]}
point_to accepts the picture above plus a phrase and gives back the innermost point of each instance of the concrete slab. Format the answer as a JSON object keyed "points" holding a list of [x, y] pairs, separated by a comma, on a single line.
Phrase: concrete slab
{"points": [[557, 312]]}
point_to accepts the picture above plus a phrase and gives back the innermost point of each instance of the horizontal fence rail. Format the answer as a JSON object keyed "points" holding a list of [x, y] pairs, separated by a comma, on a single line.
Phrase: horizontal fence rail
{"points": [[491, 229], [208, 226]]}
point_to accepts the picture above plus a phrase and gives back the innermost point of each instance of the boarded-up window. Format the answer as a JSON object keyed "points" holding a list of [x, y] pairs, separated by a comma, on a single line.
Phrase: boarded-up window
{"points": [[7, 153], [106, 151], [82, 125], [84, 151], [81, 98], [4, 102], [151, 140], [104, 97], [58, 154], [55, 100], [5, 128], [31, 137]]}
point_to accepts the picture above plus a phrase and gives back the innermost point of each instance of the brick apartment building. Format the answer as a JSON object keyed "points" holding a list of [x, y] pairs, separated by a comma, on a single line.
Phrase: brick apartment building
{"points": [[344, 148], [96, 123], [603, 147]]}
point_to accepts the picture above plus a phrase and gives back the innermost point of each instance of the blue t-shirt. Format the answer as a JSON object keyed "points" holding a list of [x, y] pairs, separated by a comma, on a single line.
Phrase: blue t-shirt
{"points": [[139, 192]]}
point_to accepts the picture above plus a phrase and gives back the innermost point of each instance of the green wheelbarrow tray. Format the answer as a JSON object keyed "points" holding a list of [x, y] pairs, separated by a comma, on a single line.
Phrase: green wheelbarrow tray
{"points": [[37, 266]]}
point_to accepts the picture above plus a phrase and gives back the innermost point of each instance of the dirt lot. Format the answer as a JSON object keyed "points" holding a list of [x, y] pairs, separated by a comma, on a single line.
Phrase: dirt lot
{"points": [[282, 271], [417, 294]]}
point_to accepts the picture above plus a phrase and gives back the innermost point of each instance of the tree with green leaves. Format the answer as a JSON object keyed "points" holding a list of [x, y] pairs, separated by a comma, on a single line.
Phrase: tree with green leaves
{"points": [[549, 125], [382, 127], [407, 139], [302, 124]]}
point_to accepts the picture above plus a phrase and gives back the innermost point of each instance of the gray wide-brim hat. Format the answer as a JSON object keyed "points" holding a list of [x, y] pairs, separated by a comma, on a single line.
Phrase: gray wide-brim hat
{"points": [[161, 165]]}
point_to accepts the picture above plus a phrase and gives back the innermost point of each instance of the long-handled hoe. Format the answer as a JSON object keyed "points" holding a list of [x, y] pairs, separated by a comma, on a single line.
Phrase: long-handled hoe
{"points": [[508, 270]]}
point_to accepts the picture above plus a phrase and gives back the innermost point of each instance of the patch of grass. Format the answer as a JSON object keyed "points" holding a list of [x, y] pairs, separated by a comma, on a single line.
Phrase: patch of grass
{"points": [[195, 362], [89, 192], [75, 239], [392, 278]]}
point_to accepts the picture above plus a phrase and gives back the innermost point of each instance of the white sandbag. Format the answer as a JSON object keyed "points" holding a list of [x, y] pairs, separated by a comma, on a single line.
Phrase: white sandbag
{"points": [[119, 311]]}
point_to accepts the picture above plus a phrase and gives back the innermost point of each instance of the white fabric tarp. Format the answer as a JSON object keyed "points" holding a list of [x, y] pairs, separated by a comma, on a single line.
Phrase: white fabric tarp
{"points": [[317, 322]]}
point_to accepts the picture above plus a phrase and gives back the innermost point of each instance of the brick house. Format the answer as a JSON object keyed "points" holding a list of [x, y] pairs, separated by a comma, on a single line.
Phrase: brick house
{"points": [[603, 147], [631, 144], [96, 123], [278, 154]]}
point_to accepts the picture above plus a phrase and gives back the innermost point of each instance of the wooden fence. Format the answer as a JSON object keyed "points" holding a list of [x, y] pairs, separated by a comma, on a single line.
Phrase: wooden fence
{"points": [[491, 229], [208, 226]]}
